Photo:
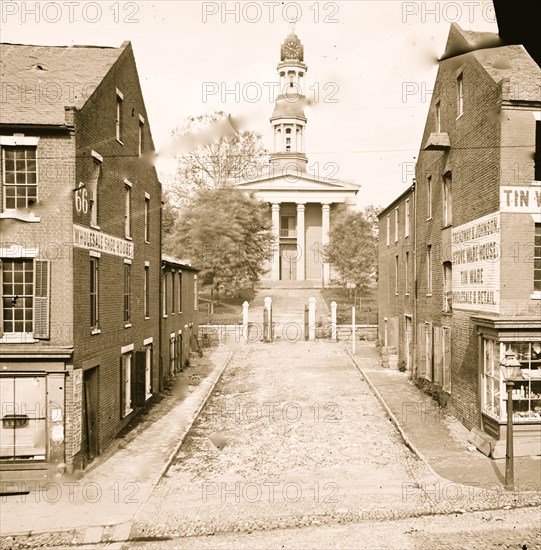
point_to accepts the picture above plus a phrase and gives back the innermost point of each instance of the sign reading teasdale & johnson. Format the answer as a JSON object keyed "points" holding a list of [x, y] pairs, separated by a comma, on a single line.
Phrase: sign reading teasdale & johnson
{"points": [[83, 237], [476, 264]]}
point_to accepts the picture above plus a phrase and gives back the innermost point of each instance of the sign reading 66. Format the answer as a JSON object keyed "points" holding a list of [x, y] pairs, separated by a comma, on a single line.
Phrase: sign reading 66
{"points": [[81, 199]]}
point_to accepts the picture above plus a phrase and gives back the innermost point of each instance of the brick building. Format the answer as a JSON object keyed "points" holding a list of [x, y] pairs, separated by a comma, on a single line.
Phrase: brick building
{"points": [[80, 248], [477, 241], [179, 319]]}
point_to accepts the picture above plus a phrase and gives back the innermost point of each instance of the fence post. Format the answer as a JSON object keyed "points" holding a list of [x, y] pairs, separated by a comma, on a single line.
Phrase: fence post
{"points": [[268, 308], [333, 320], [353, 329], [245, 307], [312, 318]]}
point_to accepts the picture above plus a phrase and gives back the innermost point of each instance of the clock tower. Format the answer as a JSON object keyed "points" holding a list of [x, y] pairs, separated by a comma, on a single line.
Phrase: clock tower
{"points": [[288, 119]]}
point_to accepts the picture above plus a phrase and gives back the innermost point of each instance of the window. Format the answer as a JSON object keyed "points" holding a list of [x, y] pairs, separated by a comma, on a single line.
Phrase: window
{"points": [[146, 291], [173, 293], [396, 224], [147, 217], [25, 287], [460, 94], [148, 371], [126, 365], [537, 152], [447, 201], [438, 117], [446, 359], [119, 115], [447, 286], [93, 190], [127, 210], [407, 219], [127, 275], [288, 226], [18, 295], [388, 229], [141, 135], [396, 274], [406, 273], [94, 293], [24, 418], [429, 270], [537, 259], [195, 291], [164, 294], [429, 198], [19, 176], [180, 291]]}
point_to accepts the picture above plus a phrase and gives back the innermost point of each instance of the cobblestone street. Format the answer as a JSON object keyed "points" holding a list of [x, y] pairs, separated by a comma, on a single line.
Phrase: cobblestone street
{"points": [[292, 437]]}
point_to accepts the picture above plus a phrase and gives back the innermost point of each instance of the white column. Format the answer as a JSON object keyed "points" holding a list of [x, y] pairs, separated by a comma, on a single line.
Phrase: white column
{"points": [[325, 226], [245, 308], [300, 242], [311, 319], [268, 307], [275, 267], [333, 320]]}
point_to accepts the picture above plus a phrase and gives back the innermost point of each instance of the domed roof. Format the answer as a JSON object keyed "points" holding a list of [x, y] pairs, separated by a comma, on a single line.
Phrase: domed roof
{"points": [[289, 106]]}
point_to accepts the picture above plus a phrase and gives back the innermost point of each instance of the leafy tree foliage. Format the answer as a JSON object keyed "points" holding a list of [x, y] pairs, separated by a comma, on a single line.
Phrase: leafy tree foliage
{"points": [[225, 233], [211, 151], [352, 248]]}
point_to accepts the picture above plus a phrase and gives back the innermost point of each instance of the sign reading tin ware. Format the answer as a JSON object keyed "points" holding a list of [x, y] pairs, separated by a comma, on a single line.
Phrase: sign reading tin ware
{"points": [[83, 237], [476, 265], [526, 200]]}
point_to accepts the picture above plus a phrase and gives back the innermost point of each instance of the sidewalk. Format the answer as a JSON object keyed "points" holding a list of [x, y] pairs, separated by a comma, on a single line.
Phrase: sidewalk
{"points": [[101, 504], [438, 438]]}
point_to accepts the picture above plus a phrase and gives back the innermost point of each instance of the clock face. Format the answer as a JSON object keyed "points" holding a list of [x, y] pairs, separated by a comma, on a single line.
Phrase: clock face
{"points": [[292, 49]]}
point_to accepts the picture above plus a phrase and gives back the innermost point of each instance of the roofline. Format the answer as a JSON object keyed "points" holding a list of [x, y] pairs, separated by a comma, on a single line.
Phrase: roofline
{"points": [[408, 191], [174, 261], [121, 47], [31, 126]]}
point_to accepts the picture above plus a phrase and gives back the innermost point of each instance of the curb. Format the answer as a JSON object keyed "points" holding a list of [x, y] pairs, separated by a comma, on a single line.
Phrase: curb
{"points": [[411, 446]]}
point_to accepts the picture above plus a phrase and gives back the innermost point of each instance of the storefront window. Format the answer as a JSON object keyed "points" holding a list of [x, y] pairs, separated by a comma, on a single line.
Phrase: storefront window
{"points": [[527, 387]]}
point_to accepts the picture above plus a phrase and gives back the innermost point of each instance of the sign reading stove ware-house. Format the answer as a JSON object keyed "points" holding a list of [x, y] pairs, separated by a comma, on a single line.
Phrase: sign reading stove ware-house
{"points": [[83, 237], [476, 265]]}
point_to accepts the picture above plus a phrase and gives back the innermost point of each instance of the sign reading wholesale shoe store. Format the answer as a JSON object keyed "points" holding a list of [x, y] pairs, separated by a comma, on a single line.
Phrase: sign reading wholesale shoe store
{"points": [[83, 237], [476, 265]]}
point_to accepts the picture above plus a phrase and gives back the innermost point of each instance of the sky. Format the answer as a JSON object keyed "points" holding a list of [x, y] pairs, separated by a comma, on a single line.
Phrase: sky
{"points": [[371, 69]]}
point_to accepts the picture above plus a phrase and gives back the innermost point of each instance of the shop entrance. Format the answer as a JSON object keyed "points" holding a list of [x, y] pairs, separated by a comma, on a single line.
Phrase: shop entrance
{"points": [[91, 412]]}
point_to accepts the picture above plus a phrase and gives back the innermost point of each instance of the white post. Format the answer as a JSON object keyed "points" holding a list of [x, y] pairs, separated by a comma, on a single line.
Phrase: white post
{"points": [[325, 226], [245, 307], [275, 269], [300, 242], [311, 318], [353, 329], [268, 307], [333, 320]]}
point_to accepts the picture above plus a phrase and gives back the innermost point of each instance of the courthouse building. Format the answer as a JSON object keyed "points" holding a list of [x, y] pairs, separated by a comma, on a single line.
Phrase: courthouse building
{"points": [[300, 204], [80, 251], [460, 252]]}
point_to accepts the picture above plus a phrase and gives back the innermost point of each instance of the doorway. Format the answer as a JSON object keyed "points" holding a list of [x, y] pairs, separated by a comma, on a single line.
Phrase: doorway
{"points": [[288, 262], [90, 383], [409, 342]]}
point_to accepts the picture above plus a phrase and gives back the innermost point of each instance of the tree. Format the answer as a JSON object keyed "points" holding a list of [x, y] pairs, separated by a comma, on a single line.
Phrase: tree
{"points": [[227, 234], [352, 248], [212, 150]]}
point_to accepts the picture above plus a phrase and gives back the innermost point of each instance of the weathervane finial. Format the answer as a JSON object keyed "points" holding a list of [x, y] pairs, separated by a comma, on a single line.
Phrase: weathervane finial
{"points": [[292, 27]]}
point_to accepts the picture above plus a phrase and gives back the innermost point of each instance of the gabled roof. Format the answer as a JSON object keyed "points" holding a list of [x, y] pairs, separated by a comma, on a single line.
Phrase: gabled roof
{"points": [[300, 182], [39, 81], [499, 61], [184, 264]]}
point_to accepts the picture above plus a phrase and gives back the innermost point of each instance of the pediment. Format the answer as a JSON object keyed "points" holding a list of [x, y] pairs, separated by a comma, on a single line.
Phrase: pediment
{"points": [[293, 183]]}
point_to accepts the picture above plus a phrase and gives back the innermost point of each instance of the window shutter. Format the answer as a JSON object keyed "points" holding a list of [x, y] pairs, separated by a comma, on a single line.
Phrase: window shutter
{"points": [[429, 344], [42, 276], [447, 359], [140, 366], [122, 387], [421, 347], [438, 355]]}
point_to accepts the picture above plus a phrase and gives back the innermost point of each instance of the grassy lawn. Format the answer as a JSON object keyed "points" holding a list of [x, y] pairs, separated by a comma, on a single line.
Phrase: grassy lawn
{"points": [[226, 310], [366, 314]]}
